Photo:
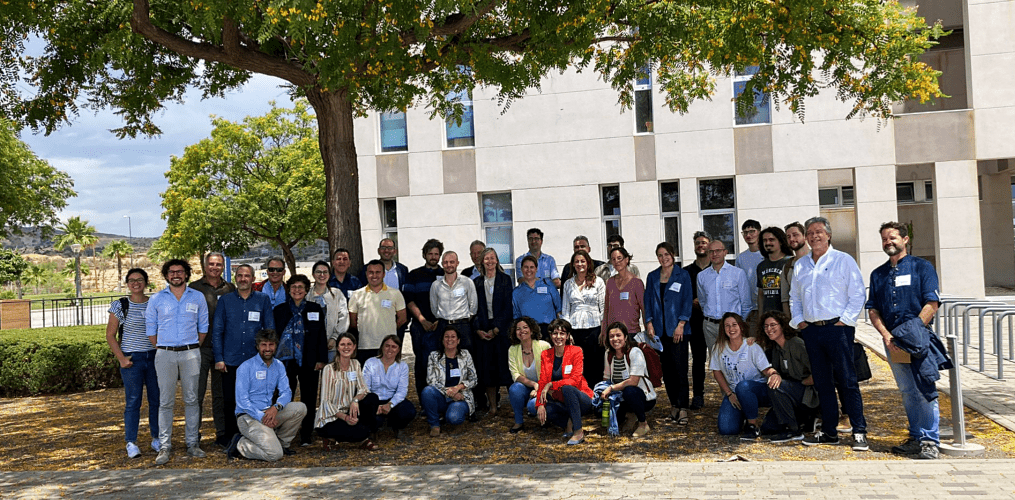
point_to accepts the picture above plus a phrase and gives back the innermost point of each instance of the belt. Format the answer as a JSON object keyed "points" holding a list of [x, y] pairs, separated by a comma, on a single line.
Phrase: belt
{"points": [[824, 322], [177, 348], [457, 321], [716, 321]]}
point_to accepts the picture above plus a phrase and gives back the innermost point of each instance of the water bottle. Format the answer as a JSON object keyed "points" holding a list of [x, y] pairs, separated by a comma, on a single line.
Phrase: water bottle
{"points": [[606, 412]]}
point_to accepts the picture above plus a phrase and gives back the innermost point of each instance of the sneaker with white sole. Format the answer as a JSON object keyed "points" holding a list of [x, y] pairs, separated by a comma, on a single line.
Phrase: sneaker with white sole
{"points": [[785, 437], [860, 442], [164, 455], [132, 450], [928, 451], [196, 451], [820, 438]]}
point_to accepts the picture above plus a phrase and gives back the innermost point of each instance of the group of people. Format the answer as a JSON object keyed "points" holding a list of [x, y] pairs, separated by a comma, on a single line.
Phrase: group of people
{"points": [[776, 329]]}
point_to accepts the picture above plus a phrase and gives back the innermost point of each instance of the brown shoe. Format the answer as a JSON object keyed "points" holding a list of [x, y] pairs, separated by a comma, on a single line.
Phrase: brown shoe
{"points": [[435, 431], [641, 431]]}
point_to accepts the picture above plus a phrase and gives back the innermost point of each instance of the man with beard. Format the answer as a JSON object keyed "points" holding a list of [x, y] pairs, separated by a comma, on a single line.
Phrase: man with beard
{"points": [[903, 301], [417, 297], [176, 322], [266, 429], [699, 350], [825, 299], [798, 245], [453, 300], [238, 318], [213, 287], [775, 250]]}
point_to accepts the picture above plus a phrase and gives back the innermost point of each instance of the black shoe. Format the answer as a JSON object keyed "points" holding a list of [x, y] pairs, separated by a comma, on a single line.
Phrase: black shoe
{"points": [[821, 438], [860, 442], [231, 450], [288, 452], [750, 433], [697, 402], [222, 442], [785, 437], [474, 418], [516, 430], [910, 447], [928, 451]]}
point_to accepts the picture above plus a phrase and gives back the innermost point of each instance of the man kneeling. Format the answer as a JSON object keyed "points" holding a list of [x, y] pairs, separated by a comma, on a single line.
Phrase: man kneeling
{"points": [[266, 429]]}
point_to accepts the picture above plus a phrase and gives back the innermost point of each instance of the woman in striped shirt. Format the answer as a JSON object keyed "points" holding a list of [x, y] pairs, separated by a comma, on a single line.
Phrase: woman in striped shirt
{"points": [[136, 355]]}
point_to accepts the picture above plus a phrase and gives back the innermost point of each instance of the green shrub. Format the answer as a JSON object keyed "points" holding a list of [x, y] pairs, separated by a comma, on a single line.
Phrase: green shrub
{"points": [[8, 295], [56, 360]]}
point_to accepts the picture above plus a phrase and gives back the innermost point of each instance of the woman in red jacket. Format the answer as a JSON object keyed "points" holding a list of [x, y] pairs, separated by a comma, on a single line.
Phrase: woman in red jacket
{"points": [[564, 396]]}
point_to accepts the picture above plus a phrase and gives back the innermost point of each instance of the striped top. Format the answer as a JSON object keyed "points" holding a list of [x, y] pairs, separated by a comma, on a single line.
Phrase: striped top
{"points": [[135, 338]]}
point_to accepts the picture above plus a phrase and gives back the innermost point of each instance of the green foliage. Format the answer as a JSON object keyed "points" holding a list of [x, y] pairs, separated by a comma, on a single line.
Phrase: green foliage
{"points": [[262, 179], [31, 191], [56, 360], [75, 231], [12, 266]]}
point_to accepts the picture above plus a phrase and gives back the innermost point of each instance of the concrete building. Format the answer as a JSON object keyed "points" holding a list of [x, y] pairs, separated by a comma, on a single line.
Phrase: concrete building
{"points": [[566, 159]]}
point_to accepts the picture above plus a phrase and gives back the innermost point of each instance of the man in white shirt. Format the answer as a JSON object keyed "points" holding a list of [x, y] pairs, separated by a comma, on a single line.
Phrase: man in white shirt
{"points": [[722, 288], [826, 298], [453, 300]]}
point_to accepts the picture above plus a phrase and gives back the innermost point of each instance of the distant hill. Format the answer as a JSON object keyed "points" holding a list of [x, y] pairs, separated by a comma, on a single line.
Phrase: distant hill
{"points": [[31, 241]]}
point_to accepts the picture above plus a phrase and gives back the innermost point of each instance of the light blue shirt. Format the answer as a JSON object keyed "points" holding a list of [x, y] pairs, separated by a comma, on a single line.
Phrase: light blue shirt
{"points": [[277, 296], [176, 322], [830, 288], [256, 383], [391, 385], [723, 292], [547, 266], [748, 262]]}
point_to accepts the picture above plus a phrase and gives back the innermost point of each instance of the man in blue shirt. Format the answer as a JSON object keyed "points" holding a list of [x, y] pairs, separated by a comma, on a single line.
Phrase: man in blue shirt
{"points": [[826, 298], [238, 318], [266, 428], [748, 261], [722, 288], [547, 265], [176, 321], [341, 278], [902, 289], [274, 286]]}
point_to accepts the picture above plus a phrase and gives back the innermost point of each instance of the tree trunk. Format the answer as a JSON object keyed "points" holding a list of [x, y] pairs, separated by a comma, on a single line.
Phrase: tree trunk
{"points": [[338, 150], [290, 258], [119, 272]]}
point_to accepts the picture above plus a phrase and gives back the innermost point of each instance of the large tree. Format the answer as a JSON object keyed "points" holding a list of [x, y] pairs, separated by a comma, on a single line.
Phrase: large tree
{"points": [[12, 268], [76, 231], [347, 57], [260, 180], [31, 190], [118, 249]]}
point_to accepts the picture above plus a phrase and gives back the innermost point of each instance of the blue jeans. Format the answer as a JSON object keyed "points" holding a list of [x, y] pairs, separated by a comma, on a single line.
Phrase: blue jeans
{"points": [[923, 415], [135, 379], [752, 394], [518, 394], [830, 349], [435, 404], [576, 403]]}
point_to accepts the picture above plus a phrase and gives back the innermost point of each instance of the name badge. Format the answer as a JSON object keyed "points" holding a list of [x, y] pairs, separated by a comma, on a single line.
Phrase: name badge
{"points": [[313, 316], [254, 316], [727, 284], [261, 375], [785, 364], [540, 289], [192, 308], [626, 374], [459, 292], [903, 280], [351, 376], [456, 372], [546, 274], [625, 295], [386, 304], [675, 287], [567, 369]]}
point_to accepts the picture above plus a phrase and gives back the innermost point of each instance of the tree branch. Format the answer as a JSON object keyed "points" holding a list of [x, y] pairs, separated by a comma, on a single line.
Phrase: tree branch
{"points": [[457, 23], [239, 57]]}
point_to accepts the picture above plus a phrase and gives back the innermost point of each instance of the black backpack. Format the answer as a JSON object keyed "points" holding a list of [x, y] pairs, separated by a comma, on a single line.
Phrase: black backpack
{"points": [[124, 305]]}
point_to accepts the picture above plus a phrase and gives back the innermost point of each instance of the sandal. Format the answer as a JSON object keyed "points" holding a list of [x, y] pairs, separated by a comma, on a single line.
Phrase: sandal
{"points": [[682, 419], [369, 445]]}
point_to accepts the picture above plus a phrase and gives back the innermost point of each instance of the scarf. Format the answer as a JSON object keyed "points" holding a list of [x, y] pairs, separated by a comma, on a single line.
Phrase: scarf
{"points": [[290, 346]]}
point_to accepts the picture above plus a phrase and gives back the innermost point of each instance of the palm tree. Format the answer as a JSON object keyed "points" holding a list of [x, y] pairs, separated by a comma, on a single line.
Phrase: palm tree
{"points": [[76, 232], [34, 275], [118, 248]]}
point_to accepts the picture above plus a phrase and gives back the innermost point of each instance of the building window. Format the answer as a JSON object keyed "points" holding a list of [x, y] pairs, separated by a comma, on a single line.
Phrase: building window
{"points": [[389, 219], [914, 192], [838, 196], [717, 205], [461, 134], [393, 132], [643, 101], [611, 210], [669, 198], [761, 112], [497, 221], [948, 56]]}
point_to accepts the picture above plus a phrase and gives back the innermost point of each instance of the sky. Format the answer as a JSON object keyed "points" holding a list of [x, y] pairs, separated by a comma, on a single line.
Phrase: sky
{"points": [[124, 177]]}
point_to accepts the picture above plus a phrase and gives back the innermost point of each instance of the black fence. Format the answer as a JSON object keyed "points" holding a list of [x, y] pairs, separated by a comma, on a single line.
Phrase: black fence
{"points": [[71, 312]]}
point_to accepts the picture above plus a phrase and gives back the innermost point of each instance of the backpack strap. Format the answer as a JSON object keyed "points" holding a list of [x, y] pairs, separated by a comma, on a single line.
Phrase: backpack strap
{"points": [[124, 307]]}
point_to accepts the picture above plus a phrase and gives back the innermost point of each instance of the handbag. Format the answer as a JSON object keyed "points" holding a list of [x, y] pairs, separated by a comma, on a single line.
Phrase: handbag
{"points": [[860, 363]]}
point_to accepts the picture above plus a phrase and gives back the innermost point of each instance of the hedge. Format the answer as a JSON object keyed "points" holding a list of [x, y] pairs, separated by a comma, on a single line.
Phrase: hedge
{"points": [[56, 360]]}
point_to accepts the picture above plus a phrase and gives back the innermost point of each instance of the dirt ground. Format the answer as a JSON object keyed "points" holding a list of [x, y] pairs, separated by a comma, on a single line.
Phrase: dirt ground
{"points": [[85, 431]]}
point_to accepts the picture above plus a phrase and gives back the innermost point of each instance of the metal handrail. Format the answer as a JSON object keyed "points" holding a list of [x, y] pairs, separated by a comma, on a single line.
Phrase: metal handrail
{"points": [[998, 348], [997, 336]]}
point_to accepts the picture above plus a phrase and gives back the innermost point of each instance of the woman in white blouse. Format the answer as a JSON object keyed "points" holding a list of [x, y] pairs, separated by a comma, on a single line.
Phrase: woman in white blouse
{"points": [[347, 409], [387, 376], [582, 305], [523, 362]]}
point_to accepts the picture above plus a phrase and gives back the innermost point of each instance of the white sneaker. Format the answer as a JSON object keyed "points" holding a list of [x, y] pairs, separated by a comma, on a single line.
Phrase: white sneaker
{"points": [[132, 451], [156, 445]]}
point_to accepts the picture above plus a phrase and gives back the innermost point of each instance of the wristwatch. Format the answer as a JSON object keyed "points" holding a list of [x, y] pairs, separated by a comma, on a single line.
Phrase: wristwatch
{"points": [[278, 407]]}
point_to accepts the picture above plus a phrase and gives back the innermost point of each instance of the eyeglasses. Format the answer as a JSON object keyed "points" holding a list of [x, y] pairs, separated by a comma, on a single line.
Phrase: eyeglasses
{"points": [[750, 231], [176, 271], [720, 250], [135, 280], [298, 288], [321, 271], [276, 269], [382, 247]]}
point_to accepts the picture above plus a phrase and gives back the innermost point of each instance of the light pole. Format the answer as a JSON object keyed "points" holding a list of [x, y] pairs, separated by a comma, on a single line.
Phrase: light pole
{"points": [[76, 248], [130, 238]]}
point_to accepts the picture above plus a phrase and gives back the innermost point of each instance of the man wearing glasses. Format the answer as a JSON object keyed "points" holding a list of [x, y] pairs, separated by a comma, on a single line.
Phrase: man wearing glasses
{"points": [[547, 265], [748, 261], [722, 288], [395, 273], [176, 322], [213, 287], [274, 287]]}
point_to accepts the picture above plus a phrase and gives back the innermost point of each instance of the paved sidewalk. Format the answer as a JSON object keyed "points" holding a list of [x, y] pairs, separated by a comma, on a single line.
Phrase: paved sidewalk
{"points": [[991, 479]]}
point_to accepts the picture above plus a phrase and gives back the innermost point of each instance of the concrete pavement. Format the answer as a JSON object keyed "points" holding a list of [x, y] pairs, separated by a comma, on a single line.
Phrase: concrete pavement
{"points": [[993, 479]]}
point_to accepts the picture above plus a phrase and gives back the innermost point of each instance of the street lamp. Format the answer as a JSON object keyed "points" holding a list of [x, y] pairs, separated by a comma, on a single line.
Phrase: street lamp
{"points": [[130, 238], [76, 248]]}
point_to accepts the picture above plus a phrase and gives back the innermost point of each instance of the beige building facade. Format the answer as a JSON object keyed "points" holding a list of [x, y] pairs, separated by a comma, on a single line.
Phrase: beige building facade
{"points": [[568, 160]]}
